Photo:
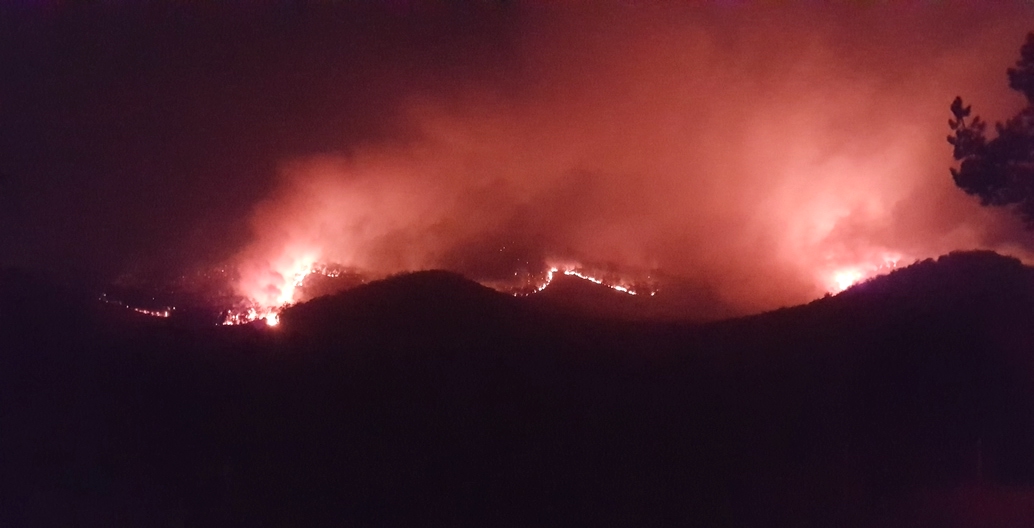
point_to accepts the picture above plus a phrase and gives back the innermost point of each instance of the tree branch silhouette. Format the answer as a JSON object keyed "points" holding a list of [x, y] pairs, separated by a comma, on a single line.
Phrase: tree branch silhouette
{"points": [[999, 170]]}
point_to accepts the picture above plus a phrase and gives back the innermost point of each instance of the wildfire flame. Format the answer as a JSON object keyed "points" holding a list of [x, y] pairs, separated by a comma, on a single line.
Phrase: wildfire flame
{"points": [[163, 313], [283, 289], [576, 271], [842, 278], [268, 294], [279, 291]]}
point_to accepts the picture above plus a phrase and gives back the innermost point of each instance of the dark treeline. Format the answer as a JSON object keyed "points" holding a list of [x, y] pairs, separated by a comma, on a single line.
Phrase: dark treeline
{"points": [[429, 400]]}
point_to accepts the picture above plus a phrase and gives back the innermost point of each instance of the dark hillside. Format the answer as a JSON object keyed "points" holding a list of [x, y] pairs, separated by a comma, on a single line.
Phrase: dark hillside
{"points": [[921, 379], [431, 298], [676, 301], [428, 399]]}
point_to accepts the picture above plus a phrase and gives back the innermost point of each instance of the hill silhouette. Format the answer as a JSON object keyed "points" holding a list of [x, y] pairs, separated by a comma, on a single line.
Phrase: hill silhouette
{"points": [[428, 297], [429, 399], [677, 301]]}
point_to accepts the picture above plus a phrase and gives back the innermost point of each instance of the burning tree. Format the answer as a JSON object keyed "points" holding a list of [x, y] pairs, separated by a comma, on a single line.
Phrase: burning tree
{"points": [[999, 170]]}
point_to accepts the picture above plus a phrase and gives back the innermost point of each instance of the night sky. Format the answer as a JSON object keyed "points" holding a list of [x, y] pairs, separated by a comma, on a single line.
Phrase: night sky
{"points": [[754, 148]]}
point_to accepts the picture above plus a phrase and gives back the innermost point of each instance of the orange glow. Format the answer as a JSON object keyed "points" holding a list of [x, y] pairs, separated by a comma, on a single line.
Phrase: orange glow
{"points": [[623, 286], [844, 279], [549, 279], [271, 285], [767, 164], [267, 292]]}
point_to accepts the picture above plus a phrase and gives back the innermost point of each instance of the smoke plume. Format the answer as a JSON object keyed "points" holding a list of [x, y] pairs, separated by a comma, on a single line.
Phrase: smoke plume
{"points": [[767, 154]]}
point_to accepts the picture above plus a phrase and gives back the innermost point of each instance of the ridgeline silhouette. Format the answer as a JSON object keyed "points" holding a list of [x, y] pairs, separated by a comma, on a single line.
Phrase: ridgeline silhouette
{"points": [[428, 399]]}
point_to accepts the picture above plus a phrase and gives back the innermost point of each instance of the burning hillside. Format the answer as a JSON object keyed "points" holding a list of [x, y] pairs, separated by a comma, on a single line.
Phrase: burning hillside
{"points": [[203, 292]]}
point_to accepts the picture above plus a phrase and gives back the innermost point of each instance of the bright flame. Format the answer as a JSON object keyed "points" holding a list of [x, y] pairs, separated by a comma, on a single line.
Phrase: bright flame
{"points": [[281, 289], [268, 315], [549, 279], [842, 278], [268, 295], [575, 271], [742, 177], [278, 290]]}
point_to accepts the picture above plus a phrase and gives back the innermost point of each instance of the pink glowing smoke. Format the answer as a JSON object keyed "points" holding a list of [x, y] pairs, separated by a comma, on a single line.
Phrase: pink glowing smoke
{"points": [[769, 155]]}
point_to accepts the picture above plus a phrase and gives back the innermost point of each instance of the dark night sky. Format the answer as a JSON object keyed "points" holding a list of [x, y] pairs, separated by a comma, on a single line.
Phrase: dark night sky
{"points": [[757, 149], [132, 136]]}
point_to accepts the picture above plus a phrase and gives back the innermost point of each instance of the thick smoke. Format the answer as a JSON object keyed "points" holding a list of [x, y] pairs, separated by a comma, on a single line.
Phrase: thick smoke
{"points": [[758, 152]]}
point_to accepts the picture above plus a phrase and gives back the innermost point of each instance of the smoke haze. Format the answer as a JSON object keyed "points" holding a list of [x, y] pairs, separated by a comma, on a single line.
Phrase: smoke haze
{"points": [[761, 152], [758, 152]]}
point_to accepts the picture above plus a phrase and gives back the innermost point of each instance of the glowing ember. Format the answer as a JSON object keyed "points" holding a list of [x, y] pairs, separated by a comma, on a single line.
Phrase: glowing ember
{"points": [[266, 293], [163, 313], [270, 316], [574, 271], [154, 313]]}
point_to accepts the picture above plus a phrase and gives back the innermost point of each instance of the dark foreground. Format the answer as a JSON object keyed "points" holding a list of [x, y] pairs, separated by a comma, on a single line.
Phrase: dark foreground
{"points": [[428, 400]]}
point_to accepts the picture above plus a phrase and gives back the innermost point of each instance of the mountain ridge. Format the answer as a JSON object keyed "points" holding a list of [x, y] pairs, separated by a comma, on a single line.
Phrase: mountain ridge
{"points": [[427, 398]]}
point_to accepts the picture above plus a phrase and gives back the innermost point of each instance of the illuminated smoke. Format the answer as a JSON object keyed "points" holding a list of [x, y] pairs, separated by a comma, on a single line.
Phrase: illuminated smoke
{"points": [[771, 155]]}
